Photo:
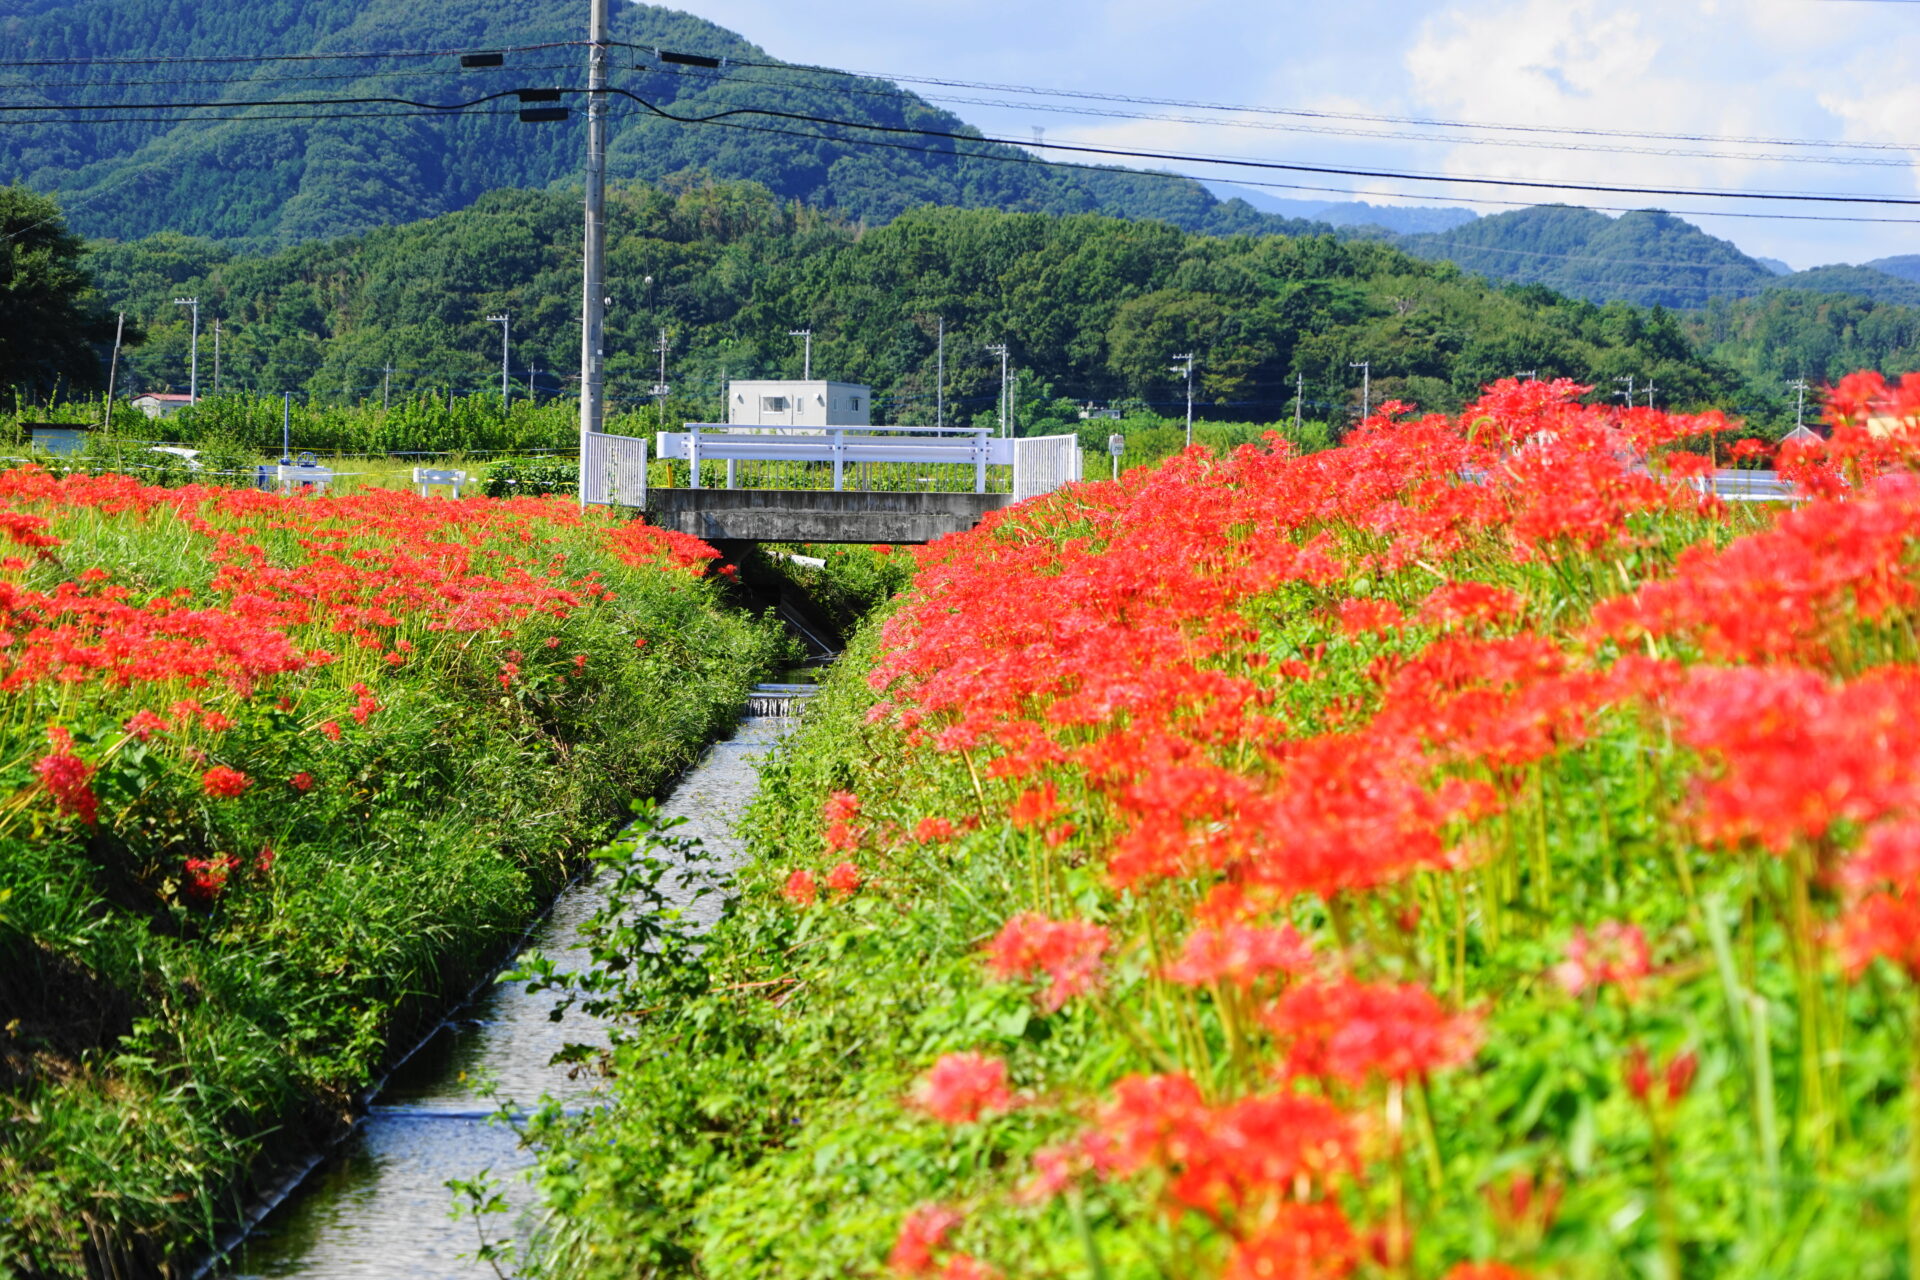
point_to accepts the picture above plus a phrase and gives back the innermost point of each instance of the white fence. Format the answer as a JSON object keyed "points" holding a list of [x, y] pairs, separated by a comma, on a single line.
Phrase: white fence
{"points": [[613, 470], [1039, 465], [1042, 464]]}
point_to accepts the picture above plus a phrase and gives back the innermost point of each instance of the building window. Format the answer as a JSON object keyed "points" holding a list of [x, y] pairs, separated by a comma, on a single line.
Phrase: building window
{"points": [[773, 404], [855, 403]]}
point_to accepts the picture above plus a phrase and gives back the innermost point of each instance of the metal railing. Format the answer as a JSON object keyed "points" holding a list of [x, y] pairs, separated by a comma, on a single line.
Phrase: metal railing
{"points": [[876, 459], [1042, 464], [614, 470]]}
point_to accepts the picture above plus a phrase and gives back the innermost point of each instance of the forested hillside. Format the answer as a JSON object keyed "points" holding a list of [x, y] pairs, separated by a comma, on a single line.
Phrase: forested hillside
{"points": [[1646, 257], [1091, 307], [269, 175]]}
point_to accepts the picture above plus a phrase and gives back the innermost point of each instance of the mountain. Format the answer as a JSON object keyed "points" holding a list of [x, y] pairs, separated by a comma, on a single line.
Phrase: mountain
{"points": [[271, 175], [1090, 307], [1401, 219], [1646, 257], [1906, 266]]}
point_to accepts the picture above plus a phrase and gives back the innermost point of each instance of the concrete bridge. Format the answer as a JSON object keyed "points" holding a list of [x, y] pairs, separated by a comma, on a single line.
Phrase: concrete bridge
{"points": [[909, 484]]}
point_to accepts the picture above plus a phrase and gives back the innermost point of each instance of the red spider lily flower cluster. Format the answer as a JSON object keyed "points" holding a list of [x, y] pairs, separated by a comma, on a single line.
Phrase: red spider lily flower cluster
{"points": [[292, 599], [1165, 692], [962, 1086]]}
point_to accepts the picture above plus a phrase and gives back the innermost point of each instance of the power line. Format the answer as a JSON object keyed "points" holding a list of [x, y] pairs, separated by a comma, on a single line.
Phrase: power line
{"points": [[167, 60], [1329, 130], [1423, 121], [1388, 175]]}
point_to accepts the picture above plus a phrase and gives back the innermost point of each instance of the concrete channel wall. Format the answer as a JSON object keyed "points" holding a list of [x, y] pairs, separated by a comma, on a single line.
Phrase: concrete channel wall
{"points": [[818, 515]]}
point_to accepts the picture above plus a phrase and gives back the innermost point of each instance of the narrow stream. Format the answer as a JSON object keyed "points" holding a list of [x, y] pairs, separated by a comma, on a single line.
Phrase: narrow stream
{"points": [[379, 1206]]}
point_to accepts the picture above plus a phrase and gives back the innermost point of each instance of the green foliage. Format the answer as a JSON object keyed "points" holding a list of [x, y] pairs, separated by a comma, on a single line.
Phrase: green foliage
{"points": [[532, 478], [50, 317], [1091, 306], [256, 178]]}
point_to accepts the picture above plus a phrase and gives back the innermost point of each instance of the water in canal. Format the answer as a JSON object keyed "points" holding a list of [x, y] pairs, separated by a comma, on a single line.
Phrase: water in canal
{"points": [[379, 1206]]}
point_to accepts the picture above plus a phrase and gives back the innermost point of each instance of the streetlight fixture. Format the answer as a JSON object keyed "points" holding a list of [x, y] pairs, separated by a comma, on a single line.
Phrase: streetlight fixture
{"points": [[193, 374], [1187, 368], [1000, 349], [504, 320]]}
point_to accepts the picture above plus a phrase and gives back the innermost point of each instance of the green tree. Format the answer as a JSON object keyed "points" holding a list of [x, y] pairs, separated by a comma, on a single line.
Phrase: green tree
{"points": [[50, 318]]}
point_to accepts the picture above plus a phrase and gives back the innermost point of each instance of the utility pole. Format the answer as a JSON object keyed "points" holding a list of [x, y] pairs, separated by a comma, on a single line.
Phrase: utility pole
{"points": [[1649, 393], [216, 357], [940, 372], [1528, 375], [1000, 349], [806, 374], [1628, 393], [1800, 413], [593, 294], [286, 428], [505, 321], [1366, 386], [113, 368], [1188, 370], [660, 387], [1299, 392], [386, 388], [193, 375]]}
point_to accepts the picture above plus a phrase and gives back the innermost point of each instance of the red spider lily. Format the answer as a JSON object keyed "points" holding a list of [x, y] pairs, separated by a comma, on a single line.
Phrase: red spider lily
{"points": [[1240, 954], [1679, 1074], [841, 806], [1482, 602], [144, 724], [68, 779], [224, 783], [1352, 1031], [1883, 926], [963, 1266], [1610, 954], [207, 877], [1035, 806], [330, 730], [1485, 1271], [844, 879], [800, 889], [1302, 1242], [263, 860], [962, 1086], [1362, 616], [933, 831], [1889, 855], [1067, 951], [302, 781], [924, 1230]]}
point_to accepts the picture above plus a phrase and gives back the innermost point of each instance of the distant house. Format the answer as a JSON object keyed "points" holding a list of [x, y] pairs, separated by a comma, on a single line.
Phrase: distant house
{"points": [[1802, 435], [797, 403], [161, 404]]}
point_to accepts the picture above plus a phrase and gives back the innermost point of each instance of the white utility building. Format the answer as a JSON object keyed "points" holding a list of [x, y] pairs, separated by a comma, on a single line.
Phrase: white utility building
{"points": [[797, 403]]}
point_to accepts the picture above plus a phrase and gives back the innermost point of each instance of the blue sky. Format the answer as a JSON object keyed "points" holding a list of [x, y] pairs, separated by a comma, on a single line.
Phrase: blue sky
{"points": [[1834, 71]]}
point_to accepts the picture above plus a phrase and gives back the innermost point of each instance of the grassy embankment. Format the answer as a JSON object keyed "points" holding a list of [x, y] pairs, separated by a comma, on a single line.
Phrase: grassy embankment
{"points": [[1323, 866], [280, 776]]}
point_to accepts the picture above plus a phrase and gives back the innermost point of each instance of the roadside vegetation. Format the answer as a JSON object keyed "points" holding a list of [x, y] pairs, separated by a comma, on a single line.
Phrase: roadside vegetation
{"points": [[279, 776], [1454, 854]]}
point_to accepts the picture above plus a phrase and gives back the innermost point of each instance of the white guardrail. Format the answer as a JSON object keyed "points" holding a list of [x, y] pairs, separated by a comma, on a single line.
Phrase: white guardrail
{"points": [[614, 470], [1040, 464]]}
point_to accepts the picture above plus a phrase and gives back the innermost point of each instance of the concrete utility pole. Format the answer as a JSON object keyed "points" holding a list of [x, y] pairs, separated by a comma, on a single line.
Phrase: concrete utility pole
{"points": [[1000, 349], [1649, 394], [660, 387], [593, 291], [1187, 368], [113, 368], [193, 374], [1800, 413], [216, 357], [1366, 386], [505, 321], [940, 372], [386, 388], [806, 370], [1299, 393], [1628, 393]]}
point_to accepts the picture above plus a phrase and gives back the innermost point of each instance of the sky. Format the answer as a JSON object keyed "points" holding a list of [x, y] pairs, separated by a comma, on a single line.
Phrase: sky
{"points": [[1815, 81]]}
